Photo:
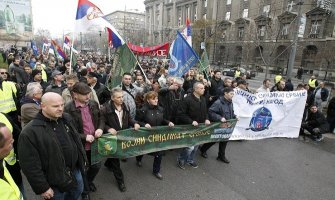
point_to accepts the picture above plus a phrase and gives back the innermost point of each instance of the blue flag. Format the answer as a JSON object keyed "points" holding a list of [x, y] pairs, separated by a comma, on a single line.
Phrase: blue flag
{"points": [[34, 48], [182, 57]]}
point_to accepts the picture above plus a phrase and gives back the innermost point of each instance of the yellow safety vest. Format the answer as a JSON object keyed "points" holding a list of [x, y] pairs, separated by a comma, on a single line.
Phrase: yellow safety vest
{"points": [[311, 83], [9, 189], [7, 103], [11, 158], [237, 74], [278, 78]]}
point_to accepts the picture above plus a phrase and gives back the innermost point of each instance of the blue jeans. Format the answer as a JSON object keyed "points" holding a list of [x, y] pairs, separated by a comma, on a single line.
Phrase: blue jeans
{"points": [[75, 193], [187, 155]]}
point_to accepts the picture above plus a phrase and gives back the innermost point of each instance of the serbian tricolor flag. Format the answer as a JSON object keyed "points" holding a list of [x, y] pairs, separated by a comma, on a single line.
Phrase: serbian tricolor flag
{"points": [[114, 39], [58, 49], [67, 43], [187, 33], [88, 14]]}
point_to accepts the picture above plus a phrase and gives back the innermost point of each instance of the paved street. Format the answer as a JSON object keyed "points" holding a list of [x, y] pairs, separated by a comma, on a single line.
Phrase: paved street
{"points": [[270, 169]]}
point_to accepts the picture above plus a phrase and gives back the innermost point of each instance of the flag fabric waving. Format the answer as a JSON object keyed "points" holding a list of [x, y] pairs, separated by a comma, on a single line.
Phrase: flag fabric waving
{"points": [[187, 33], [204, 63], [124, 61], [67, 43], [58, 49], [88, 14], [114, 39], [34, 48], [182, 56]]}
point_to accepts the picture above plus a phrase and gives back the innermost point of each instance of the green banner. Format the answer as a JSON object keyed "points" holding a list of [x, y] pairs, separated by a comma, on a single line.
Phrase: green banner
{"points": [[130, 143]]}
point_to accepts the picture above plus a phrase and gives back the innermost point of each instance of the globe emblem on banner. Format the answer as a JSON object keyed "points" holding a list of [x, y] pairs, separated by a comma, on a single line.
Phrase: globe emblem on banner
{"points": [[261, 119]]}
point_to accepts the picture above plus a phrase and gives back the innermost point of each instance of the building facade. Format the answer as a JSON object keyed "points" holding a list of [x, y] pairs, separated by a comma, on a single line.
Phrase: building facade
{"points": [[130, 24], [253, 32]]}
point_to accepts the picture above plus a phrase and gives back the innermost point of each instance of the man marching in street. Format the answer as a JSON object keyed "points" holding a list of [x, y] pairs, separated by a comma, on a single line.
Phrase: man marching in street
{"points": [[221, 111], [193, 111], [86, 115], [52, 156], [116, 117]]}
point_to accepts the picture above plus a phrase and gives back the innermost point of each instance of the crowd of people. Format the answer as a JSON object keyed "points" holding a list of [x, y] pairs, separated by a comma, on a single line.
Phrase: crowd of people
{"points": [[52, 111]]}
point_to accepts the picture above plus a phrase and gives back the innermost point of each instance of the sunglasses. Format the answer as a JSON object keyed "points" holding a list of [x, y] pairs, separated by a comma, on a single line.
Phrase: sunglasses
{"points": [[2, 72]]}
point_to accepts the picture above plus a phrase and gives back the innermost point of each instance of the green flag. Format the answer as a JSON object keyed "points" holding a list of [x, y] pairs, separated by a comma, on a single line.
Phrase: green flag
{"points": [[124, 61], [204, 62]]}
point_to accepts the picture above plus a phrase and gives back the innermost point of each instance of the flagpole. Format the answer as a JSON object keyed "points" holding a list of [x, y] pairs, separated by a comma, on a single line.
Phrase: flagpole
{"points": [[71, 53]]}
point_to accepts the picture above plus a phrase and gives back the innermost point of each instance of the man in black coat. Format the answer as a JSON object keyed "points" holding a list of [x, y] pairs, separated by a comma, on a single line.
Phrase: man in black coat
{"points": [[51, 154], [89, 123], [315, 123], [193, 111], [116, 117], [101, 90], [220, 111]]}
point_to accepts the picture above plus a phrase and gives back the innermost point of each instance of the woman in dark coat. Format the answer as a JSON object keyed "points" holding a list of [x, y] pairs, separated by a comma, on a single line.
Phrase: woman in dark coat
{"points": [[148, 116]]}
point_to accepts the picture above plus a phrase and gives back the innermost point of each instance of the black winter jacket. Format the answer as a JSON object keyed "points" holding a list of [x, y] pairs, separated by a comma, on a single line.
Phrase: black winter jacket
{"points": [[318, 120], [152, 115], [41, 156], [111, 119], [78, 122], [193, 109], [221, 108]]}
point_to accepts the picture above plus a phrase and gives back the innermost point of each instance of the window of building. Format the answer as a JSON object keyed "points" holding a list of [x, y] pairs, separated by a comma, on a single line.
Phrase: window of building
{"points": [[157, 19], [285, 29], [290, 6], [261, 31], [224, 34], [228, 2], [266, 10], [168, 15], [204, 16], [316, 26], [241, 32], [188, 11], [205, 3], [245, 13], [227, 16], [195, 12]]}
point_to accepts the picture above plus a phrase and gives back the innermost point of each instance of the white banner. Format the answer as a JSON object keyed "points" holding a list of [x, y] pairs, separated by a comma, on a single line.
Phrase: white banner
{"points": [[267, 115]]}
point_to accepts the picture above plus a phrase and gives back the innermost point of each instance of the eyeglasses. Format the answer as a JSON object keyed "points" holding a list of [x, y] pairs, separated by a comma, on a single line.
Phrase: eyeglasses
{"points": [[2, 72]]}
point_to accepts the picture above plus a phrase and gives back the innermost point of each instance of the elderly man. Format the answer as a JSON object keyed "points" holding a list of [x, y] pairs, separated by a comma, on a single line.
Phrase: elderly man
{"points": [[52, 156], [30, 103], [117, 117], [89, 124]]}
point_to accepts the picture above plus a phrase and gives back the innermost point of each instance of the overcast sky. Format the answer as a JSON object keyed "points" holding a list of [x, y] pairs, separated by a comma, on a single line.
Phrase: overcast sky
{"points": [[59, 15]]}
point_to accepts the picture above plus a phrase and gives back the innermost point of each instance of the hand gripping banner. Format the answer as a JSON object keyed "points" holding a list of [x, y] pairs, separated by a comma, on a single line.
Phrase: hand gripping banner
{"points": [[130, 143]]}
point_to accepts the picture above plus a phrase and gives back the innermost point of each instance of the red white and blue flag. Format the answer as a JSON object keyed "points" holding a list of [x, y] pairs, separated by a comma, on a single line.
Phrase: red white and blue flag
{"points": [[114, 39], [67, 43], [187, 32], [89, 15], [57, 48]]}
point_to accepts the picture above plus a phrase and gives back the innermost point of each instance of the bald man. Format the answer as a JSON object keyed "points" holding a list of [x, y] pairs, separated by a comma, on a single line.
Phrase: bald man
{"points": [[51, 154]]}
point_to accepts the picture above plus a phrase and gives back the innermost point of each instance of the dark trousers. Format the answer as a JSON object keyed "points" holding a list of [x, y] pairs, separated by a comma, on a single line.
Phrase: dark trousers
{"points": [[93, 170], [156, 167], [310, 129], [222, 148], [114, 165]]}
